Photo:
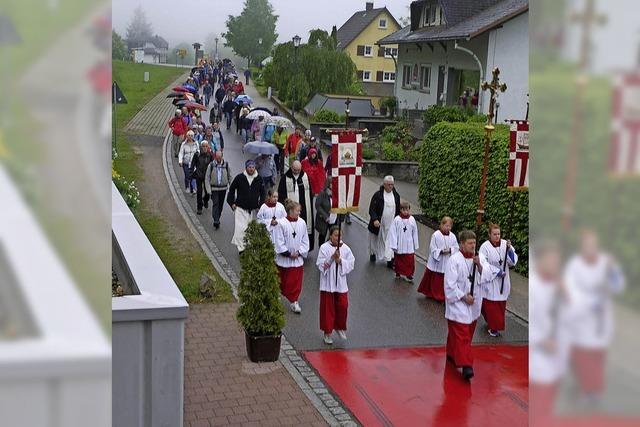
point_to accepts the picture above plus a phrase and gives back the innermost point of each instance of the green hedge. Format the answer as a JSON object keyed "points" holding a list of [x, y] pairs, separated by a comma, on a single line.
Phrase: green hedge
{"points": [[449, 182], [327, 116], [437, 113]]}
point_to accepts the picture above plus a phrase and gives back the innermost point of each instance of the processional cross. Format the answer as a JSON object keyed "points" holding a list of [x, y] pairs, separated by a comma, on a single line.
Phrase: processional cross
{"points": [[346, 112]]}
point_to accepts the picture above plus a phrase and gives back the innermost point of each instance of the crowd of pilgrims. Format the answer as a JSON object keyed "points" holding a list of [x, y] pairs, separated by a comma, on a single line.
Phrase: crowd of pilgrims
{"points": [[300, 206]]}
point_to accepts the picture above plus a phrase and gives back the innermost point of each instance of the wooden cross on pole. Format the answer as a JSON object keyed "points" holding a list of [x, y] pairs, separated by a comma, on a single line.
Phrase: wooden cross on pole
{"points": [[493, 88], [346, 112], [588, 18]]}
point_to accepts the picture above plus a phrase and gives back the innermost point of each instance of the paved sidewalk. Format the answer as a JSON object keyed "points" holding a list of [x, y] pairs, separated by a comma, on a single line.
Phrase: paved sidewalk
{"points": [[223, 388], [152, 119]]}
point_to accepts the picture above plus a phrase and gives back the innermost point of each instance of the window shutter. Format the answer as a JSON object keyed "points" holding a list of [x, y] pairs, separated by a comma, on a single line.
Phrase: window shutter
{"points": [[360, 75], [381, 51], [379, 76], [360, 51]]}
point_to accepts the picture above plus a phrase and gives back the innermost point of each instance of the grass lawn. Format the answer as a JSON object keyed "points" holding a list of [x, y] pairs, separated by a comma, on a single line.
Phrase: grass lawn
{"points": [[184, 263]]}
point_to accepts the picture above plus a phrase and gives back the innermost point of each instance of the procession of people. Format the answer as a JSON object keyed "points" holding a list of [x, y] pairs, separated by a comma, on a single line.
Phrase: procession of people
{"points": [[288, 188]]}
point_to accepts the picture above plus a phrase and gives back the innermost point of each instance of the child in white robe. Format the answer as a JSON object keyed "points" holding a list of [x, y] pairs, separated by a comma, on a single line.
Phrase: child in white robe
{"points": [[270, 212], [403, 240], [291, 245], [443, 244], [334, 293]]}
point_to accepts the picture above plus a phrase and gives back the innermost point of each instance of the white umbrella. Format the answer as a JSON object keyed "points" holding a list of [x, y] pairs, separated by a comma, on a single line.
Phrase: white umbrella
{"points": [[260, 147], [257, 113], [280, 121]]}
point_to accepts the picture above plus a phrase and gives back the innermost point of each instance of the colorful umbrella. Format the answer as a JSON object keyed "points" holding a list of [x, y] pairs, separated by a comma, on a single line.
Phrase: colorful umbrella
{"points": [[280, 121], [253, 115], [180, 89], [195, 106]]}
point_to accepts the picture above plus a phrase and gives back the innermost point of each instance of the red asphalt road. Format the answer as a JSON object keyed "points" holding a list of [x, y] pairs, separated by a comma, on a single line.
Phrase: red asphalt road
{"points": [[416, 387]]}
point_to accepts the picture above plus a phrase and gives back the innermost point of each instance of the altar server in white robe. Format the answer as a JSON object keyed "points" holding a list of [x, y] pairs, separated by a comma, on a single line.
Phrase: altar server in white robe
{"points": [[403, 241], [591, 279], [547, 348], [335, 261], [497, 251], [443, 244], [270, 212], [292, 246], [461, 308]]}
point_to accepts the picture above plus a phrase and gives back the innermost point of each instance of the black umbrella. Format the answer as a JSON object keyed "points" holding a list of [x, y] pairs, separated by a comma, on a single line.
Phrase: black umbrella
{"points": [[176, 95], [180, 102]]}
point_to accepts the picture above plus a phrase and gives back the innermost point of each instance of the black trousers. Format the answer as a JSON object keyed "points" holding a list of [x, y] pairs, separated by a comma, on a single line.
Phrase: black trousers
{"points": [[199, 190], [279, 160], [217, 203]]}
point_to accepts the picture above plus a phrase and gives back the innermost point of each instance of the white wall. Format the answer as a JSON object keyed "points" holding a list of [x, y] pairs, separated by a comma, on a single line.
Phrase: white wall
{"points": [[509, 50], [410, 54]]}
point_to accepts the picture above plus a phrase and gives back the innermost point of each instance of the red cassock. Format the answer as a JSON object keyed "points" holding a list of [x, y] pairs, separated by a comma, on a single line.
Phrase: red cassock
{"points": [[588, 365], [291, 282], [459, 342], [432, 285], [404, 264], [333, 311], [493, 312]]}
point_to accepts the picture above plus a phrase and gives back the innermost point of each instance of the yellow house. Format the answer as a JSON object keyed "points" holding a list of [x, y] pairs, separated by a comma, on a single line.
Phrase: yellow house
{"points": [[375, 64]]}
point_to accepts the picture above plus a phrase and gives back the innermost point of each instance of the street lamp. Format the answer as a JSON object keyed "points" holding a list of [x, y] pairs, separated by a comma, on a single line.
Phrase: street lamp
{"points": [[216, 39], [296, 45], [196, 47]]}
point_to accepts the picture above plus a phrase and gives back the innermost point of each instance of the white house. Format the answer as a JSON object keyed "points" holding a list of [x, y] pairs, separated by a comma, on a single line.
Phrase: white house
{"points": [[153, 50], [452, 45]]}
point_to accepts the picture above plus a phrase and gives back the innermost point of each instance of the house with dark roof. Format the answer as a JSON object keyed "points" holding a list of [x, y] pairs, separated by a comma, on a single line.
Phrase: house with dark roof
{"points": [[358, 36], [452, 46], [151, 50]]}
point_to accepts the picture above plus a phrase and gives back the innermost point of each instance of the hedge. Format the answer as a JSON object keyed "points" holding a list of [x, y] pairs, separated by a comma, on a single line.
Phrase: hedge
{"points": [[449, 182], [328, 116], [438, 113]]}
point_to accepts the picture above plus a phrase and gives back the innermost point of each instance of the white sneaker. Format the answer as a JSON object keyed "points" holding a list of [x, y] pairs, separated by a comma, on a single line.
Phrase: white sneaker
{"points": [[327, 339], [295, 307], [342, 334]]}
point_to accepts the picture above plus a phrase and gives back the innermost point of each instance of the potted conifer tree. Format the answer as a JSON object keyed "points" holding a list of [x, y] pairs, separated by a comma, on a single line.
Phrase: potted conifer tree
{"points": [[260, 313]]}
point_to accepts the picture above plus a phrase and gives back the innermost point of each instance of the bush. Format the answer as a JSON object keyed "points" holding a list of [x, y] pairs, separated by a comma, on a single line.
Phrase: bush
{"points": [[260, 311], [449, 182], [400, 134], [477, 118], [368, 153], [392, 152], [437, 113], [327, 116]]}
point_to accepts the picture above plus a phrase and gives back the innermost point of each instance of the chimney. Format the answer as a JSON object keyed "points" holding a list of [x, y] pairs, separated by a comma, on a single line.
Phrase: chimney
{"points": [[369, 6]]}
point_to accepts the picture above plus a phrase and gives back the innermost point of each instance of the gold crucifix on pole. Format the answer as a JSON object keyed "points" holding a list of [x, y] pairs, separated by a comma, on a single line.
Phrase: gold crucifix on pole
{"points": [[346, 112], [493, 88]]}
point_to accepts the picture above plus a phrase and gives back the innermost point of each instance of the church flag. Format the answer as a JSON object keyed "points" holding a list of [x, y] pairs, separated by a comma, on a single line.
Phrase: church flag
{"points": [[346, 170], [624, 152], [518, 175]]}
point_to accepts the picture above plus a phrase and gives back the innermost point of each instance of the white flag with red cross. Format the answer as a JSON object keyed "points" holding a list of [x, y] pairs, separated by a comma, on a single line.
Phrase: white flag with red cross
{"points": [[518, 175], [346, 170], [624, 149]]}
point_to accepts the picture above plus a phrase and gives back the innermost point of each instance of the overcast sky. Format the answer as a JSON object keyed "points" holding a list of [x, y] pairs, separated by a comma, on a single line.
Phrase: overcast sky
{"points": [[192, 20]]}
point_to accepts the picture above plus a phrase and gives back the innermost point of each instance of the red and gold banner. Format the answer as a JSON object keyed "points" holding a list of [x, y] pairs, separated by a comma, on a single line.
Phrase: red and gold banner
{"points": [[346, 170], [518, 176]]}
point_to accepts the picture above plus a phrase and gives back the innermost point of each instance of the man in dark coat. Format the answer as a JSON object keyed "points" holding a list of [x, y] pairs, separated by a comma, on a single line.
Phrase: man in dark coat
{"points": [[246, 195], [384, 207], [295, 185], [199, 163]]}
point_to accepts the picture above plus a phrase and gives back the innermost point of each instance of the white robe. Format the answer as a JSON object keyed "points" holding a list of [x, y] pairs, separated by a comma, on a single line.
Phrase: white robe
{"points": [[328, 281], [242, 219], [495, 257], [293, 193], [544, 367], [457, 285], [285, 241], [438, 261], [403, 235], [587, 316], [266, 214], [378, 244]]}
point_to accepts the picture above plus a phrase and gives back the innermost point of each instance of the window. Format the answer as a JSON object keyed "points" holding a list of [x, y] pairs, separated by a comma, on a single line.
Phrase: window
{"points": [[406, 76], [430, 13], [382, 23], [368, 51], [389, 77], [366, 76], [391, 52], [425, 77]]}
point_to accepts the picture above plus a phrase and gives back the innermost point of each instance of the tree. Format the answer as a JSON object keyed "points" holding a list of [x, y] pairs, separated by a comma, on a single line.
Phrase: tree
{"points": [[260, 311], [252, 34], [118, 47], [334, 37], [318, 38], [139, 28]]}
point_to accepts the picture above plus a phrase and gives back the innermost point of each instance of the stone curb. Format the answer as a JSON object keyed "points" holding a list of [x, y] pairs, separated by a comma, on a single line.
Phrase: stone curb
{"points": [[304, 375]]}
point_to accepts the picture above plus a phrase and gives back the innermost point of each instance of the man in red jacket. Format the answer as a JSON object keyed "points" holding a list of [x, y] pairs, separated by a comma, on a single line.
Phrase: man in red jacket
{"points": [[179, 129]]}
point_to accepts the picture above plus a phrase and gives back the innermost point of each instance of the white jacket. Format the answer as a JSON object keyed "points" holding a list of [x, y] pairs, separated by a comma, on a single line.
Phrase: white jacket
{"points": [[495, 258], [187, 151], [286, 242], [457, 285], [328, 281], [403, 235], [438, 261]]}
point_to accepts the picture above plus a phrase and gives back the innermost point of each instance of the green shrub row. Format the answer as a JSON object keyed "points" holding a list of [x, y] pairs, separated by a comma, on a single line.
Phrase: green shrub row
{"points": [[437, 113], [451, 160]]}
